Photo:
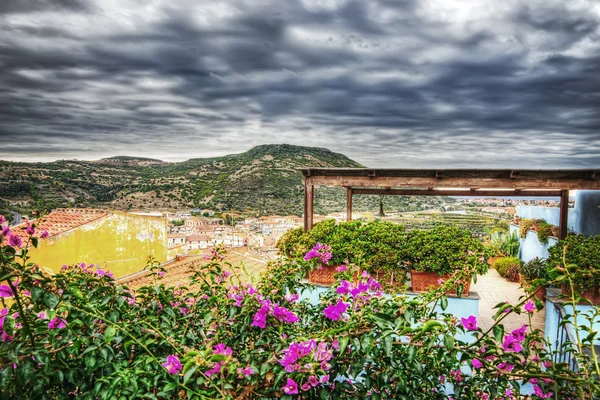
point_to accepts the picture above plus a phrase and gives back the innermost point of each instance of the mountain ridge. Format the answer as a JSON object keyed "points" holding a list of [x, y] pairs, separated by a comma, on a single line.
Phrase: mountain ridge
{"points": [[263, 180]]}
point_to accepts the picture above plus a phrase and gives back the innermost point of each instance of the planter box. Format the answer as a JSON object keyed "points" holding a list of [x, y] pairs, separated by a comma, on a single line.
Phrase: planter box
{"points": [[323, 276], [424, 281], [395, 279], [593, 294]]}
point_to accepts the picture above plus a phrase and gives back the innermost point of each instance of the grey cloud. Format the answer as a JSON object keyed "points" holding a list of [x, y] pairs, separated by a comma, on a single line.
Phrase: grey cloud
{"points": [[362, 78]]}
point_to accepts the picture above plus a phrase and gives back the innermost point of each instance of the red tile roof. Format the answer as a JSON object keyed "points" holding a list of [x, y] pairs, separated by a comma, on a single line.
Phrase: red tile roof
{"points": [[61, 220]]}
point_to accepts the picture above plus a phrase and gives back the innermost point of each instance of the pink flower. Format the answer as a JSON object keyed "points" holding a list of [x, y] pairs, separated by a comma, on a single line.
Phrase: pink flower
{"points": [[15, 241], [341, 268], [540, 393], [291, 297], [440, 281], [44, 235], [313, 380], [5, 231], [512, 345], [30, 229], [506, 367], [245, 371], [173, 365], [529, 307], [519, 334], [5, 291], [470, 323], [2, 219], [305, 387], [161, 273], [284, 315], [221, 349], [214, 370], [324, 379], [57, 323], [260, 318], [42, 315], [547, 363], [291, 387], [334, 312], [476, 363]]}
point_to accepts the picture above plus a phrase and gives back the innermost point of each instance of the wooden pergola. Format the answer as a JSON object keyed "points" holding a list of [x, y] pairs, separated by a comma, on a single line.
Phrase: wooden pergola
{"points": [[449, 182]]}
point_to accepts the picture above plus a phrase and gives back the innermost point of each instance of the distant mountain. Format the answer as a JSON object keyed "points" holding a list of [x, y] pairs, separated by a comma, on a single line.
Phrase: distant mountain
{"points": [[263, 180]]}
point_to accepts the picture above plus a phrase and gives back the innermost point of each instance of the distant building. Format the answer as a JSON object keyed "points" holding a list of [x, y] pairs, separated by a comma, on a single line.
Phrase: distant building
{"points": [[175, 239]]}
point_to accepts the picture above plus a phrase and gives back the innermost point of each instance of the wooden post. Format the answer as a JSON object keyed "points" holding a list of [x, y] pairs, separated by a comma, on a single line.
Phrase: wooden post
{"points": [[564, 214], [309, 199], [348, 204]]}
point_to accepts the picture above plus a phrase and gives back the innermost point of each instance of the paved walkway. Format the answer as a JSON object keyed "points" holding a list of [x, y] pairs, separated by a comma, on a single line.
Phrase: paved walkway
{"points": [[493, 289]]}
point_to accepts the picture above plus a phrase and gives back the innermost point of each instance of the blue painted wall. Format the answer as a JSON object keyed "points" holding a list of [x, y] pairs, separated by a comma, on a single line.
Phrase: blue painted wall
{"points": [[531, 246]]}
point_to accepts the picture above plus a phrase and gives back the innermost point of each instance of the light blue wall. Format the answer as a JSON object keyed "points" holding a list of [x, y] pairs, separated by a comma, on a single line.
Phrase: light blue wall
{"points": [[553, 319], [549, 214], [584, 218], [531, 246]]}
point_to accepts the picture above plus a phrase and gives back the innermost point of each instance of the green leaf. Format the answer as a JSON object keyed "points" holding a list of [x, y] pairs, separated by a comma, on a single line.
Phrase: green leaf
{"points": [[444, 303], [189, 373], [51, 300], [449, 342], [36, 294], [367, 343], [34, 242], [343, 342], [109, 334], [387, 345], [412, 351], [499, 332], [217, 357]]}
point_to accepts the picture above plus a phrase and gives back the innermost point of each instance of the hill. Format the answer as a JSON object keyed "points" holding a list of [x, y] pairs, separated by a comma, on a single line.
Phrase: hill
{"points": [[264, 179]]}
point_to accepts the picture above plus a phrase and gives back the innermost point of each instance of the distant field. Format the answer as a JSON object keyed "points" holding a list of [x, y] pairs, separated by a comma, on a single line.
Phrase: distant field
{"points": [[475, 221]]}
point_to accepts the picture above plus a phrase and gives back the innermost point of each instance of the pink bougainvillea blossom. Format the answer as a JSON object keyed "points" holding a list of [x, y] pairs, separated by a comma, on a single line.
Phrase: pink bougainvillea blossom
{"points": [[540, 393], [245, 371], [341, 268], [290, 298], [214, 370], [57, 323], [15, 241], [222, 349], [334, 312], [30, 229], [529, 307], [5, 231], [173, 365], [469, 323], [519, 334], [5, 291], [284, 315], [506, 367], [476, 363], [291, 387], [44, 235], [512, 345]]}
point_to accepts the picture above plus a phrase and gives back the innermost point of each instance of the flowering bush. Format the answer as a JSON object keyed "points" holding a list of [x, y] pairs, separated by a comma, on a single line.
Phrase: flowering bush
{"points": [[79, 333]]}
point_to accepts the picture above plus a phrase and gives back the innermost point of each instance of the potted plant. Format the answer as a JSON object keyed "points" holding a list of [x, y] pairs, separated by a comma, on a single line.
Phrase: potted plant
{"points": [[433, 256], [533, 270], [583, 253], [508, 267]]}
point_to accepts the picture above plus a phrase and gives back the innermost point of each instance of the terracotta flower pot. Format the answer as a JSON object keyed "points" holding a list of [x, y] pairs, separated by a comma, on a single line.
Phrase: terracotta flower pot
{"points": [[424, 281], [593, 294], [322, 276]]}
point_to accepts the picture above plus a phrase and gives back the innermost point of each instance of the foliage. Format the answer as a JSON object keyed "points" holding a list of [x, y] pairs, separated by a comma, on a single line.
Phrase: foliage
{"points": [[579, 250], [178, 222], [443, 250], [534, 269], [78, 333], [508, 267], [376, 244], [524, 226], [544, 231], [510, 245]]}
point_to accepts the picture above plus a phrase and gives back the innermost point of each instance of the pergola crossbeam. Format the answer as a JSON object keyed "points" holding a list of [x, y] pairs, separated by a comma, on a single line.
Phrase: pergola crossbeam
{"points": [[456, 182]]}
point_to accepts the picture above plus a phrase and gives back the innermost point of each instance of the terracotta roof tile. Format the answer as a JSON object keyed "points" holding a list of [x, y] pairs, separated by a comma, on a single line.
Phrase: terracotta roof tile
{"points": [[61, 220]]}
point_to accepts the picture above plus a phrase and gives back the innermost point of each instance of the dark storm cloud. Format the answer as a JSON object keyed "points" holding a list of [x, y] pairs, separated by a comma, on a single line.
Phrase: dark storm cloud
{"points": [[389, 83]]}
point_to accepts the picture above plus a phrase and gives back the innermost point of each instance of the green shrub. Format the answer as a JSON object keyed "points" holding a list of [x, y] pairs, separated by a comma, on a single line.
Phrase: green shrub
{"points": [[534, 269], [584, 252], [373, 244], [444, 250], [508, 267]]}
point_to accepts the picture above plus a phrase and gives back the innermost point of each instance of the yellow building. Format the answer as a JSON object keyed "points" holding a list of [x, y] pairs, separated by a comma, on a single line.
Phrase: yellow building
{"points": [[116, 241]]}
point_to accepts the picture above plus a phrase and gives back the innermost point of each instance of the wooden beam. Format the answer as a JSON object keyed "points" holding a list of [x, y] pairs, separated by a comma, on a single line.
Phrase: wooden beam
{"points": [[454, 182], [470, 193], [309, 205], [564, 214], [348, 204]]}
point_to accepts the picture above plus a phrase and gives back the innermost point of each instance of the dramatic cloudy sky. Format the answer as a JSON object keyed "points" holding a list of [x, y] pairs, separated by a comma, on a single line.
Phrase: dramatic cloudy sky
{"points": [[397, 83]]}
